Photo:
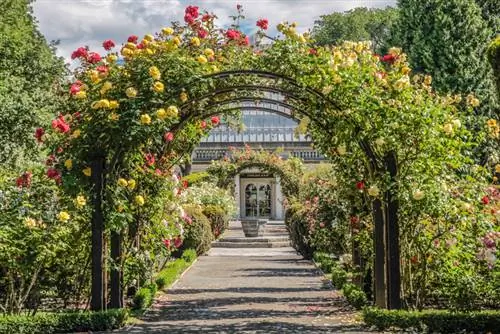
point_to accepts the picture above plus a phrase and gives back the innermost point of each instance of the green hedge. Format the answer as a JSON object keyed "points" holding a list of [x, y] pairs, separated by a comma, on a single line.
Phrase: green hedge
{"points": [[355, 296], [197, 177], [218, 217], [47, 323], [144, 297], [434, 321], [197, 235]]}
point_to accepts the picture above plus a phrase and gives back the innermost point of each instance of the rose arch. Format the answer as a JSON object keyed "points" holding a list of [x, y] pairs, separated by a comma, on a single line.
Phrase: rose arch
{"points": [[159, 95]]}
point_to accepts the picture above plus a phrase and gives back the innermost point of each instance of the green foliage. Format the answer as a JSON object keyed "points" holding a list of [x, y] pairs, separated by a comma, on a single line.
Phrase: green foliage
{"points": [[434, 321], [196, 178], [174, 269], [218, 217], [355, 296], [47, 323], [197, 235], [359, 24], [144, 297], [494, 58], [298, 231], [189, 255], [29, 71], [339, 277], [447, 39]]}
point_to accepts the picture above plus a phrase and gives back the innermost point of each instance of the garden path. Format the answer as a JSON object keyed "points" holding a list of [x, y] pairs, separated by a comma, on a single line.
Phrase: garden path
{"points": [[250, 290]]}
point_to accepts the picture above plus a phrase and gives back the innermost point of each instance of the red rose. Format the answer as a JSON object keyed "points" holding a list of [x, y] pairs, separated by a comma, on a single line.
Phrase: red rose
{"points": [[140, 46], [59, 150], [169, 136], [263, 24], [354, 220], [93, 57], [414, 259], [360, 185], [215, 120], [166, 242], [202, 33], [188, 19], [203, 124], [81, 52], [60, 125], [50, 160], [313, 52], [193, 11], [132, 39], [238, 7], [53, 173], [39, 132], [322, 225], [108, 44], [206, 17], [158, 171], [388, 58], [185, 184], [24, 180], [102, 69], [245, 41], [485, 200], [233, 34], [75, 88], [177, 242], [150, 159]]}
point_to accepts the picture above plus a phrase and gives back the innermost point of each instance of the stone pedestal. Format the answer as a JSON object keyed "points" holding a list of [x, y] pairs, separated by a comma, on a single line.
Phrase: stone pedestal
{"points": [[253, 227]]}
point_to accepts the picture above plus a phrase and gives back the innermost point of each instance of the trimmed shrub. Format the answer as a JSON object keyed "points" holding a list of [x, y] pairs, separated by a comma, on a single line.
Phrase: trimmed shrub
{"points": [[48, 323], [434, 321], [297, 227], [144, 297], [354, 295], [339, 277], [197, 235], [218, 217], [189, 255], [197, 177]]}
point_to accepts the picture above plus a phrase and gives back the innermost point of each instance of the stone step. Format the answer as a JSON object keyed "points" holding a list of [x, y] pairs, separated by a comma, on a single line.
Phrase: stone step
{"points": [[256, 239], [222, 244]]}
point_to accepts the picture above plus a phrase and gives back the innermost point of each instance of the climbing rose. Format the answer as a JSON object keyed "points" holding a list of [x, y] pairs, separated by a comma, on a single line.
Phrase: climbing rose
{"points": [[102, 69], [177, 242], [485, 200], [132, 39], [203, 124], [53, 173], [360, 185], [24, 180], [245, 41], [313, 52], [93, 57], [60, 124], [81, 52], [108, 44], [75, 88], [150, 159], [166, 242], [233, 34], [215, 120], [193, 11], [388, 58], [263, 24], [202, 33], [206, 17], [189, 19], [39, 132]]}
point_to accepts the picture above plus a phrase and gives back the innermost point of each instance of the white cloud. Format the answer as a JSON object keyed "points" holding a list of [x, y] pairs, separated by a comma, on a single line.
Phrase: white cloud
{"points": [[89, 22]]}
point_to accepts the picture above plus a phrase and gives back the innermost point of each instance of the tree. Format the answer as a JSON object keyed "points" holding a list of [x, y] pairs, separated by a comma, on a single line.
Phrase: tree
{"points": [[448, 39], [29, 70], [358, 24]]}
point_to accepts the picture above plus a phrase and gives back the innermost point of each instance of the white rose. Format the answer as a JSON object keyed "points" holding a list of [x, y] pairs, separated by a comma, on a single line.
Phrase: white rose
{"points": [[380, 141], [373, 191], [448, 128], [418, 195], [456, 123]]}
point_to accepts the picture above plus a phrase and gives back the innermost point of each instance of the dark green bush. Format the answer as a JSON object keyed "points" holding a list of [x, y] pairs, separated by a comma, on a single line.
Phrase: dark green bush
{"points": [[298, 230], [198, 235], [354, 295], [48, 323], [434, 321], [144, 297], [339, 277], [218, 217], [189, 255]]}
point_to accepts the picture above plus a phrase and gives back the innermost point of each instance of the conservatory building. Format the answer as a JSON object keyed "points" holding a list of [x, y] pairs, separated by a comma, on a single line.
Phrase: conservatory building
{"points": [[258, 193]]}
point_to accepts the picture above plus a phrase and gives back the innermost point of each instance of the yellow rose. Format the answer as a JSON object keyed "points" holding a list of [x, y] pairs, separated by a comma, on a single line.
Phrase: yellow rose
{"points": [[183, 97], [202, 59], [302, 39], [373, 191], [472, 100], [167, 31], [126, 52], [341, 150], [114, 116], [405, 70], [149, 38], [161, 114], [149, 51], [491, 123], [195, 41], [497, 168], [456, 123], [106, 86], [209, 52], [76, 133], [130, 46], [68, 164], [418, 195], [111, 58], [427, 80], [172, 111], [87, 171], [158, 87], [154, 72], [131, 92], [139, 200], [63, 216], [448, 128], [30, 222], [113, 104], [177, 41], [81, 95], [122, 182], [402, 83], [131, 184], [80, 201], [94, 76], [145, 119]]}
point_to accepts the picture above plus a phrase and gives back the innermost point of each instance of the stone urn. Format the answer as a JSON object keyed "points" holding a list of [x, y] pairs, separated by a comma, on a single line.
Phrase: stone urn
{"points": [[253, 227]]}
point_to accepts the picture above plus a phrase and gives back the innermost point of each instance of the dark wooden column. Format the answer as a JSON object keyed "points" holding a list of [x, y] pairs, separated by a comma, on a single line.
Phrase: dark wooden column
{"points": [[97, 288], [392, 237], [116, 300], [379, 291]]}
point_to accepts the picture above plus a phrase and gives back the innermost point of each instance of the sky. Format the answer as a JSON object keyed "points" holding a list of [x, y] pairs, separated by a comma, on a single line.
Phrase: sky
{"points": [[78, 23]]}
